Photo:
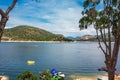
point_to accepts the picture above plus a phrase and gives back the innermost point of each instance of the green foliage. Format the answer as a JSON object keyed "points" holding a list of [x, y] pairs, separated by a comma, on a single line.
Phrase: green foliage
{"points": [[101, 19], [46, 75], [29, 33], [27, 75], [106, 21]]}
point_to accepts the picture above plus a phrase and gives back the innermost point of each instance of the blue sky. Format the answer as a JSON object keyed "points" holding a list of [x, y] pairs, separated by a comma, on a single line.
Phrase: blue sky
{"points": [[56, 16]]}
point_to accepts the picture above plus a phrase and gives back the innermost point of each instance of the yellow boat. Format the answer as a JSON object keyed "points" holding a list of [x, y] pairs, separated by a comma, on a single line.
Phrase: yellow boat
{"points": [[29, 62]]}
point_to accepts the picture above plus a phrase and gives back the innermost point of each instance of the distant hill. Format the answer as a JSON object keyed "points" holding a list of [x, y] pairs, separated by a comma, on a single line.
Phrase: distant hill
{"points": [[92, 38], [29, 33], [86, 38], [70, 37]]}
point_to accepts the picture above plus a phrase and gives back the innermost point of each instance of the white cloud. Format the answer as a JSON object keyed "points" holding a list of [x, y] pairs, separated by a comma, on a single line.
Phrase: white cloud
{"points": [[88, 31], [58, 16]]}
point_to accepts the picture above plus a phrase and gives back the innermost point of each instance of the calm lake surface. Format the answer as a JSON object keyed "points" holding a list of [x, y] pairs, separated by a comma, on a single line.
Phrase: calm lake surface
{"points": [[68, 57]]}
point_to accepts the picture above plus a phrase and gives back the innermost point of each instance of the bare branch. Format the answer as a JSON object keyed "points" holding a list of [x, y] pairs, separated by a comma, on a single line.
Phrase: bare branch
{"points": [[2, 12], [115, 51], [103, 38], [100, 44], [11, 7], [109, 38], [104, 34], [116, 45]]}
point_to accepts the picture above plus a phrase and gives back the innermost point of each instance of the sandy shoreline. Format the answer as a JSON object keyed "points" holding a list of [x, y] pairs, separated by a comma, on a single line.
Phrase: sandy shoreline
{"points": [[37, 41], [94, 77], [4, 78]]}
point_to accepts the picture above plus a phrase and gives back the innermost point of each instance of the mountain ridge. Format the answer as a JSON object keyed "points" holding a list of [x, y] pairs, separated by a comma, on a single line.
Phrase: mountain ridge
{"points": [[30, 33]]}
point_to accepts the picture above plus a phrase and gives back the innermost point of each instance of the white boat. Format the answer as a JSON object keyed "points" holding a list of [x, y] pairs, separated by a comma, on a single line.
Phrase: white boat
{"points": [[61, 74]]}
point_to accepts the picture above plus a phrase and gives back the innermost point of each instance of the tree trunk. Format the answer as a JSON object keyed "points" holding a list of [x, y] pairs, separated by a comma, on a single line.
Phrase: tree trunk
{"points": [[111, 62], [4, 17], [111, 75], [111, 71], [3, 22]]}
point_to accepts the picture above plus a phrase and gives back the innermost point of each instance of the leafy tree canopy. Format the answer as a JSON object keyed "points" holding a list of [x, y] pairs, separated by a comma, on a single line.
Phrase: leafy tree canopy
{"points": [[104, 20]]}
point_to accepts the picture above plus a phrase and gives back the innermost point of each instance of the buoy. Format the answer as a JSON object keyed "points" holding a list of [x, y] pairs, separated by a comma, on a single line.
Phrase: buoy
{"points": [[30, 62]]}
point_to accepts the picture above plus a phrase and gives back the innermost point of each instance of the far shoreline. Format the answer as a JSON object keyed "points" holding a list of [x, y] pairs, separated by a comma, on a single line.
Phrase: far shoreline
{"points": [[37, 41], [45, 41]]}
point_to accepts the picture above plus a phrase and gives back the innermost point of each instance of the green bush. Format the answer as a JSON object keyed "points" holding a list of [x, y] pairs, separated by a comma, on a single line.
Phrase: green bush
{"points": [[46, 75], [27, 75]]}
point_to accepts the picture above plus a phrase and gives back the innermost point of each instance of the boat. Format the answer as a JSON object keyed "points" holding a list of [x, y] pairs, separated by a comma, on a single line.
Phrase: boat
{"points": [[103, 69], [30, 62], [56, 73], [61, 74]]}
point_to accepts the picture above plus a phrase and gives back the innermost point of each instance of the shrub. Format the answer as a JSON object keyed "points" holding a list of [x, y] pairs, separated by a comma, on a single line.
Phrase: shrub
{"points": [[46, 75], [27, 75]]}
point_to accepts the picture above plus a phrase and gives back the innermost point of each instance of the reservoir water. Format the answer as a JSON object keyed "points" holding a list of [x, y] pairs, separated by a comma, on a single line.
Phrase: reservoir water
{"points": [[68, 57]]}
